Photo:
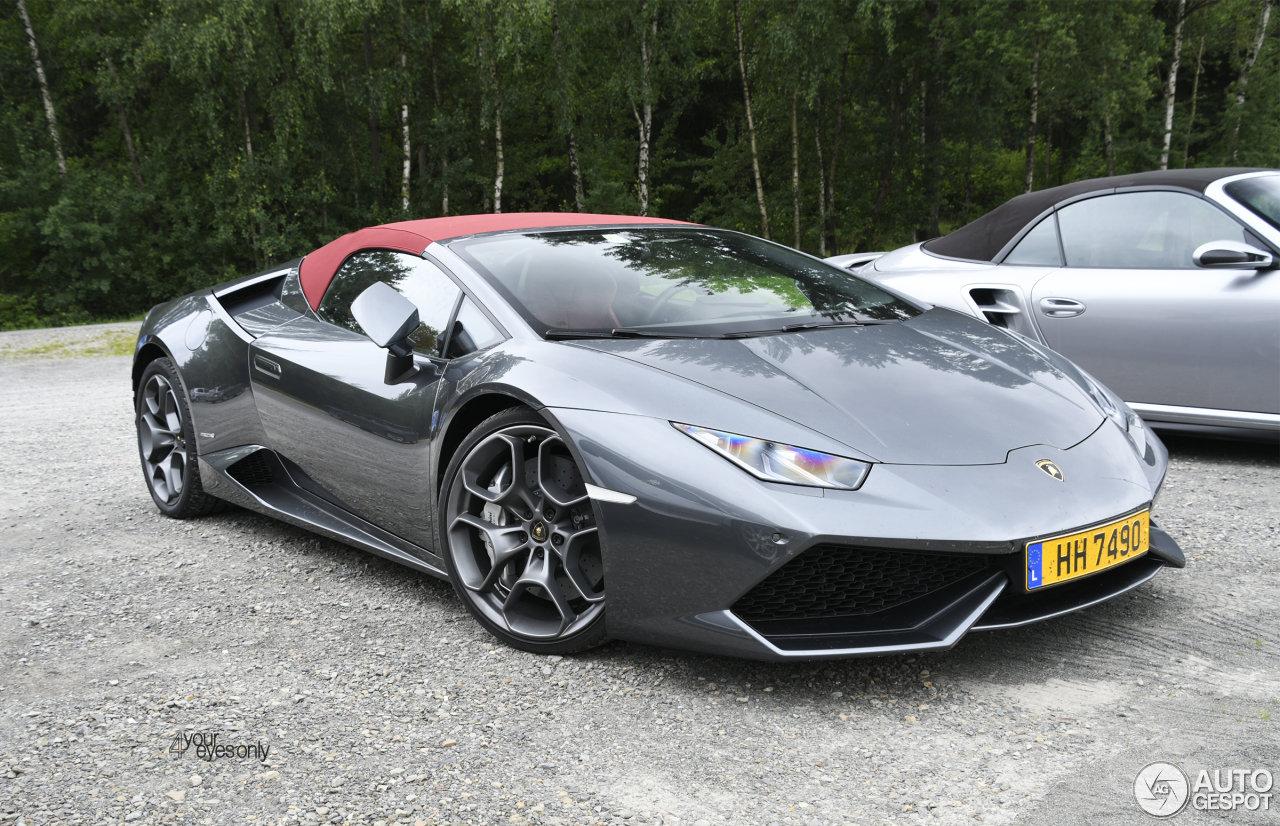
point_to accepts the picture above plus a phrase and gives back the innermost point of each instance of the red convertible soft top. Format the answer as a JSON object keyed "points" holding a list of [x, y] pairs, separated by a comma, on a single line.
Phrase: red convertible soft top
{"points": [[318, 268]]}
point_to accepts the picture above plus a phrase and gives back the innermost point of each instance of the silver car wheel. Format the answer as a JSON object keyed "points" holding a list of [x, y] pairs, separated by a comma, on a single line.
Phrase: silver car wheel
{"points": [[521, 535], [164, 453]]}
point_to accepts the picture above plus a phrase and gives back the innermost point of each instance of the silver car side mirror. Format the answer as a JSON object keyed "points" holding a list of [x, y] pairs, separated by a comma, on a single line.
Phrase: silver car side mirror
{"points": [[388, 319], [1231, 255]]}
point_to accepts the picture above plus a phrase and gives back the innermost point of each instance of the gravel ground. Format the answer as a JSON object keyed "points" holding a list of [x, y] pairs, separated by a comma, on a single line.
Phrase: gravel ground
{"points": [[367, 695]]}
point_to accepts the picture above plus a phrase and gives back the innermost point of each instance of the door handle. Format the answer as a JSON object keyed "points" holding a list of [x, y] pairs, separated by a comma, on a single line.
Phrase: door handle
{"points": [[267, 366], [1061, 307]]}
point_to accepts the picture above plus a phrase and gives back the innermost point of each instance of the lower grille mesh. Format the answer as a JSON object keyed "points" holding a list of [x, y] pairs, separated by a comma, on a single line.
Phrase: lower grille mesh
{"points": [[839, 581], [252, 470]]}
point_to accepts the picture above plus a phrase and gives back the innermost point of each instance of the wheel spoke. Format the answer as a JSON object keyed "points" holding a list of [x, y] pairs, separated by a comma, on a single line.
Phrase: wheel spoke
{"points": [[515, 495], [174, 470], [154, 393], [172, 413], [540, 573], [506, 546], [156, 441], [552, 491], [571, 557]]}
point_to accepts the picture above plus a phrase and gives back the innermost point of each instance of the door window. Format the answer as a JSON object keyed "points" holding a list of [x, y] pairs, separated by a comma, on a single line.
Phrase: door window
{"points": [[471, 331], [1038, 248], [1147, 230], [417, 279]]}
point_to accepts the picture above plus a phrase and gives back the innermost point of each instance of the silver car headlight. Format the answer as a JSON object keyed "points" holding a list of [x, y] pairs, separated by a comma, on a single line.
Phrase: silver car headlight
{"points": [[775, 462]]}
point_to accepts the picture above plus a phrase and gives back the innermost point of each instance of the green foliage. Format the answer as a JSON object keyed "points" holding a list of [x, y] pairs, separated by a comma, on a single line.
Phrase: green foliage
{"points": [[207, 138]]}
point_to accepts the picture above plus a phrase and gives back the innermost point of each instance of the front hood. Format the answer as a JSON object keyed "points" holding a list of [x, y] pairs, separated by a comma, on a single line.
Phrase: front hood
{"points": [[941, 389]]}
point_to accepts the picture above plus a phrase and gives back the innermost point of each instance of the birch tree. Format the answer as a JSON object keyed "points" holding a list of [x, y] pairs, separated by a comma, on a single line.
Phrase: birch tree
{"points": [[50, 115]]}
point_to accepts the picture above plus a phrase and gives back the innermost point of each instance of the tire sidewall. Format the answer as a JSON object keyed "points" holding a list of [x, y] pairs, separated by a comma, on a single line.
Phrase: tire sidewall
{"points": [[593, 634], [190, 483]]}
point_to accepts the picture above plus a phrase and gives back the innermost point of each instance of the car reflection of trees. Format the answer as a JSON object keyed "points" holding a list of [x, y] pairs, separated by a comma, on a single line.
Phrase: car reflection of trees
{"points": [[718, 263], [987, 355], [213, 395], [375, 425]]}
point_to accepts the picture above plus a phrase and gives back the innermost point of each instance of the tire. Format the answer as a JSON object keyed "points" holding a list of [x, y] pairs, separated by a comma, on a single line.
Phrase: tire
{"points": [[522, 550], [167, 445]]}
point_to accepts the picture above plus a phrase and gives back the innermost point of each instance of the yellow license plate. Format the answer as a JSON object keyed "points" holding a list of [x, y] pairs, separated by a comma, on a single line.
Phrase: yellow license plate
{"points": [[1064, 558]]}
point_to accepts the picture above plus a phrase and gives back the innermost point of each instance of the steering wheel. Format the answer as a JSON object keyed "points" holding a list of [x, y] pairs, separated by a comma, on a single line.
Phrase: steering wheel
{"points": [[668, 294]]}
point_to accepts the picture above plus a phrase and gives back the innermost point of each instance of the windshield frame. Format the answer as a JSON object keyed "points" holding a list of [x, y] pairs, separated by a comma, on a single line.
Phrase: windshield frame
{"points": [[1233, 188], [709, 329]]}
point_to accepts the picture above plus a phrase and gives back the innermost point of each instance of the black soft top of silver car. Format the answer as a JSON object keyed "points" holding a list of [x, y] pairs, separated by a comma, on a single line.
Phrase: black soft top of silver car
{"points": [[983, 239]]}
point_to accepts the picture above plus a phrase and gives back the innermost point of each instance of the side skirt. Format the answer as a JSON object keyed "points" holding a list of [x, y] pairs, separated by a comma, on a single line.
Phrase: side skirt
{"points": [[282, 498]]}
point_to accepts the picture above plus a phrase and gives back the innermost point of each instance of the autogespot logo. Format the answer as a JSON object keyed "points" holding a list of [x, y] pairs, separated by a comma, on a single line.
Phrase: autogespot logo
{"points": [[208, 748], [1162, 790]]}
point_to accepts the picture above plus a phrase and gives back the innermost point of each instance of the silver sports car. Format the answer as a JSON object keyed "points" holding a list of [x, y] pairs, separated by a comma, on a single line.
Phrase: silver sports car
{"points": [[1163, 285]]}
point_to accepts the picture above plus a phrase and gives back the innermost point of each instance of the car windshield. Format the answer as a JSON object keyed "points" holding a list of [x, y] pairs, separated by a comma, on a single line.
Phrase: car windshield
{"points": [[671, 282], [1261, 195]]}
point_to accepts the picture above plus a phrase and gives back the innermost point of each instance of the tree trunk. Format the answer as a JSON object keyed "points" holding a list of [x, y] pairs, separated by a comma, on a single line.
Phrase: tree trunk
{"points": [[1244, 74], [49, 113], [968, 182], [1048, 149], [1031, 122], [822, 186], [408, 149], [435, 97], [374, 158], [751, 123], [248, 131], [795, 164], [933, 149], [1171, 89], [567, 110], [578, 194], [500, 165], [645, 121], [885, 185], [1195, 94], [829, 225], [120, 113], [1106, 142]]}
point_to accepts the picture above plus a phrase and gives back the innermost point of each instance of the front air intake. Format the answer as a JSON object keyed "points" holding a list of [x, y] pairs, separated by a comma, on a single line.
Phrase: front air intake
{"points": [[829, 581]]}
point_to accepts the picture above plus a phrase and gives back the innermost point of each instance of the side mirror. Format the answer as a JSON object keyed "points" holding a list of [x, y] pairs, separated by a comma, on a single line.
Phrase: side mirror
{"points": [[389, 318], [1231, 255]]}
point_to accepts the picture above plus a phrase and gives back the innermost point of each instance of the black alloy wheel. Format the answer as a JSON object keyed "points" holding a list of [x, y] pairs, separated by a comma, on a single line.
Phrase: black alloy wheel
{"points": [[167, 445], [521, 542]]}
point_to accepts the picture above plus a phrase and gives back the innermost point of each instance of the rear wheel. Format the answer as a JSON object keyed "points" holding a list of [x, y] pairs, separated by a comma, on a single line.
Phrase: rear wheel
{"points": [[167, 445], [520, 538]]}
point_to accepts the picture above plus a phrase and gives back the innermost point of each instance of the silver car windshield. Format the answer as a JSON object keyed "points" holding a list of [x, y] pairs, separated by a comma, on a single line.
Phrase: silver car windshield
{"points": [[685, 281], [1260, 195]]}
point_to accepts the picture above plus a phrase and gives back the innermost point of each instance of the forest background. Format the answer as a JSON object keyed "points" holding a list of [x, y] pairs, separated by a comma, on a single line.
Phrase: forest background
{"points": [[152, 147]]}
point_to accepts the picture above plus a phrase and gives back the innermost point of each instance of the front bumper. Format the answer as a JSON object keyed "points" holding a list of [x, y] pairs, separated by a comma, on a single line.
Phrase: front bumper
{"points": [[702, 534]]}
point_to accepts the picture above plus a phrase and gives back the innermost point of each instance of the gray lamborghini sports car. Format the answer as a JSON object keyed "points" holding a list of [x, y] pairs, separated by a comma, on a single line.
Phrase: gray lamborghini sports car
{"points": [[603, 426]]}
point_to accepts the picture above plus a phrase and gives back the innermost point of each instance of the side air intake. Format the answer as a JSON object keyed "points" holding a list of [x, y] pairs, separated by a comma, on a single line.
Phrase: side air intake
{"points": [[253, 470]]}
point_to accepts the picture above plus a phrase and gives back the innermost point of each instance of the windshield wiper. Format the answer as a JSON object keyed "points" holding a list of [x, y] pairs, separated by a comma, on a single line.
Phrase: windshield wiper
{"points": [[804, 325], [617, 332]]}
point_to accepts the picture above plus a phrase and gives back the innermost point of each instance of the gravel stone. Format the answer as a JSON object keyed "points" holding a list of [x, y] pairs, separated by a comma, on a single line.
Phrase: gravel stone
{"points": [[128, 641]]}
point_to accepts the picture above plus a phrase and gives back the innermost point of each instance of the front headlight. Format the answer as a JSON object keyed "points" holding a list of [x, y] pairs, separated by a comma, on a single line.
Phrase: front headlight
{"points": [[775, 462], [1120, 413]]}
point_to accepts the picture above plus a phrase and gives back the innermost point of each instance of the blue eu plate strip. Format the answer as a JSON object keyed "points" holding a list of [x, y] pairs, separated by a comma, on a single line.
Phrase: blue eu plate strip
{"points": [[1034, 579]]}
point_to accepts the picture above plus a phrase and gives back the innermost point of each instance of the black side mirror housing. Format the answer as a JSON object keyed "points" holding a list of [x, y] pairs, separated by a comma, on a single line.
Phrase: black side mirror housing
{"points": [[388, 319]]}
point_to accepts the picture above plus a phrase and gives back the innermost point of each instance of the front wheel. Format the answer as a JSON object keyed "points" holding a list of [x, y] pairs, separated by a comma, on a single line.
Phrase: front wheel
{"points": [[520, 538], [166, 442]]}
